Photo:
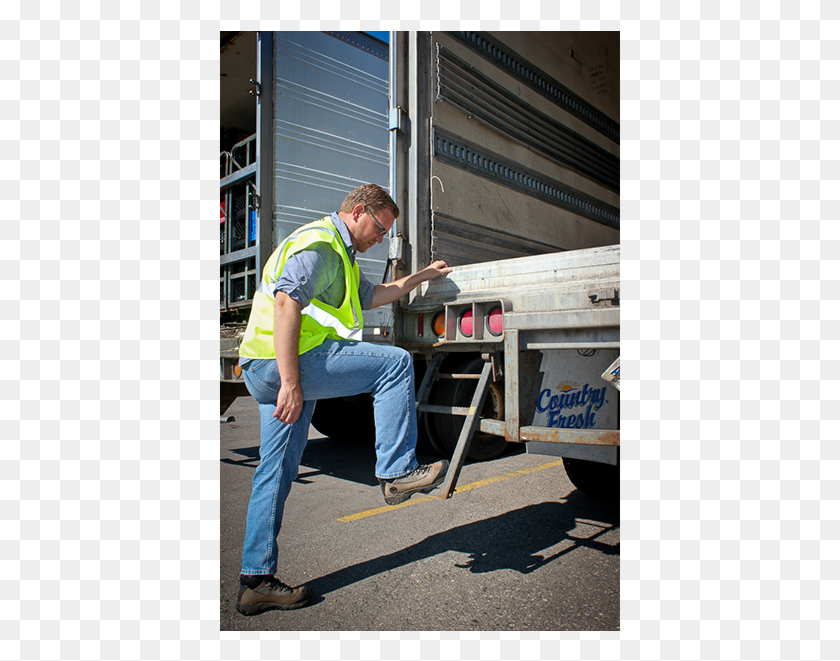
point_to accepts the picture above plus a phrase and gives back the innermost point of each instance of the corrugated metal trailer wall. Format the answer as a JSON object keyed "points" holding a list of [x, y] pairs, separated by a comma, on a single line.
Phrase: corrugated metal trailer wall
{"points": [[524, 143], [330, 128]]}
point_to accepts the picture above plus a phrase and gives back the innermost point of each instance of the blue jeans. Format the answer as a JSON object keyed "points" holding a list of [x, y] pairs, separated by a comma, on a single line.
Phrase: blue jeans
{"points": [[333, 369]]}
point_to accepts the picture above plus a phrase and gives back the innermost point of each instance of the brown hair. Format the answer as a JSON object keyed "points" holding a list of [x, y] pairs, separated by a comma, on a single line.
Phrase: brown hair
{"points": [[373, 197]]}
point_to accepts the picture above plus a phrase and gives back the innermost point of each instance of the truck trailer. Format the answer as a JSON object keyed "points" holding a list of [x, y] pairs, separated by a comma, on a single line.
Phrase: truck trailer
{"points": [[503, 155]]}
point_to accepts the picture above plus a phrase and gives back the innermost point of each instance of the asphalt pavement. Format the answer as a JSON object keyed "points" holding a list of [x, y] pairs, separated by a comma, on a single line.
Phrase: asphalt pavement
{"points": [[517, 547]]}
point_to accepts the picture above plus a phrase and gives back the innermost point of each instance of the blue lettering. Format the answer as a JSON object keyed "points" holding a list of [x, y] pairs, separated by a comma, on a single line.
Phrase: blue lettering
{"points": [[540, 407], [584, 394], [593, 398], [598, 397]]}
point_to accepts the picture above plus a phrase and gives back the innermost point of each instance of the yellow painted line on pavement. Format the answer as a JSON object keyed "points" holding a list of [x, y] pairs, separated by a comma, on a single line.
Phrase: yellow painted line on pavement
{"points": [[416, 500], [387, 508]]}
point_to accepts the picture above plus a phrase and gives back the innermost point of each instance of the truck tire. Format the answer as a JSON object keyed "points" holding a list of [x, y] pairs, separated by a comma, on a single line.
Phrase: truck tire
{"points": [[459, 392], [596, 479], [346, 418]]}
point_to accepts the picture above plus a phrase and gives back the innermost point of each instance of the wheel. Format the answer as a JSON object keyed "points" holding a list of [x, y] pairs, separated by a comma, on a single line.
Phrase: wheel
{"points": [[593, 478], [459, 392], [346, 418]]}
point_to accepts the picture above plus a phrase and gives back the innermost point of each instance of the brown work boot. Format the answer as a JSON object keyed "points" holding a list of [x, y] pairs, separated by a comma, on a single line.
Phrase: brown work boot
{"points": [[264, 593], [422, 480]]}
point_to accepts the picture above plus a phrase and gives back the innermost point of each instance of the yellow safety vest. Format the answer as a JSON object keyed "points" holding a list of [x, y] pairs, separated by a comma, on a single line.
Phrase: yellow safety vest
{"points": [[319, 321]]}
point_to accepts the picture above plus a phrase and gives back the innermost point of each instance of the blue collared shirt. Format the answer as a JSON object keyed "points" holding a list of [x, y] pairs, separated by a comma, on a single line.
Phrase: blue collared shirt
{"points": [[318, 272]]}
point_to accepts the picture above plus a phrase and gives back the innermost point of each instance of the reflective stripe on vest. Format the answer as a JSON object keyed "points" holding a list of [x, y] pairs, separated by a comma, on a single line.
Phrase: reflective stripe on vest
{"points": [[319, 321], [324, 318]]}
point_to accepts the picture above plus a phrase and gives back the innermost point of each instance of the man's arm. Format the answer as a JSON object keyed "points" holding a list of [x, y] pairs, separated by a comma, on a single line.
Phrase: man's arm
{"points": [[286, 340], [391, 291]]}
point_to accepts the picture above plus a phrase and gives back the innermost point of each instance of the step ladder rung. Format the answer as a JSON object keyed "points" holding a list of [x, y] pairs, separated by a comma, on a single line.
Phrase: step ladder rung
{"points": [[450, 410], [472, 419], [471, 422]]}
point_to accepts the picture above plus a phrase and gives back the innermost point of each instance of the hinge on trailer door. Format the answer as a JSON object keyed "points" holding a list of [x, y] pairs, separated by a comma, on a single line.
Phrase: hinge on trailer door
{"points": [[606, 297], [257, 88], [398, 256], [396, 249], [255, 199], [398, 120]]}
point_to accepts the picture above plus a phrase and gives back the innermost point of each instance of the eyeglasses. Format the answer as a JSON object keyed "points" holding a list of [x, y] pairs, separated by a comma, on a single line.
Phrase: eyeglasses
{"points": [[382, 230]]}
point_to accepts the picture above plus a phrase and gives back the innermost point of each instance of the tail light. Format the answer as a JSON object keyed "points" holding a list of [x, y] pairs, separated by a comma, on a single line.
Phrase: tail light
{"points": [[466, 323], [476, 321], [495, 321]]}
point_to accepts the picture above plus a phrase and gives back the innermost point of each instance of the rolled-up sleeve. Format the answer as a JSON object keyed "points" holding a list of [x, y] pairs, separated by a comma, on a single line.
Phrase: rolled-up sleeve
{"points": [[365, 291], [307, 274]]}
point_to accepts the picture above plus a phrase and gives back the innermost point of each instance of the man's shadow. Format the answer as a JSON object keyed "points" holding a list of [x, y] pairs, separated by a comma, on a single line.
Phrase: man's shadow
{"points": [[348, 460], [521, 540]]}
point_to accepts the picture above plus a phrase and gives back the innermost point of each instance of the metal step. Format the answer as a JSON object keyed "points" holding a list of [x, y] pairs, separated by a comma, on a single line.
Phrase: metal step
{"points": [[472, 417], [446, 410], [470, 423]]}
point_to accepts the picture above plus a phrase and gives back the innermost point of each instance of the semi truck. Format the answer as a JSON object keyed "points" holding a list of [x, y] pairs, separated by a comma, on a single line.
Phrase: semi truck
{"points": [[502, 151]]}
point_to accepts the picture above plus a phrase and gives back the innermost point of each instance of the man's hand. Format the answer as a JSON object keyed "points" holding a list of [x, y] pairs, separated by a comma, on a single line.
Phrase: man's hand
{"points": [[391, 291], [289, 404], [434, 270]]}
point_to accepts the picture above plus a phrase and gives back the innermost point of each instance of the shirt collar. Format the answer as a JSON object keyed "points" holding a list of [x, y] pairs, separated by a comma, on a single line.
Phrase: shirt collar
{"points": [[344, 233]]}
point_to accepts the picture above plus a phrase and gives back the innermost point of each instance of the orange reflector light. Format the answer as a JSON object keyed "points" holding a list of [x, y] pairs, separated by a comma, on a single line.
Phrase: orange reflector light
{"points": [[495, 321], [439, 324], [466, 323], [237, 370]]}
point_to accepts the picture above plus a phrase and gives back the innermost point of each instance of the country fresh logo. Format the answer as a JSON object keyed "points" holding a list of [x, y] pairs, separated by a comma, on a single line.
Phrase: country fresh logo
{"points": [[571, 407]]}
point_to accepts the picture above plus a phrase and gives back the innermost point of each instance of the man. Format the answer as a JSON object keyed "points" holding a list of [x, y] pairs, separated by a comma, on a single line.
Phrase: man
{"points": [[303, 344]]}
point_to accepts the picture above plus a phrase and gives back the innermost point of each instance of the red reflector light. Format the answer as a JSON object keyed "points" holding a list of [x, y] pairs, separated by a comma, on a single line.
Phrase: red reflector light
{"points": [[466, 323], [420, 325], [495, 321]]}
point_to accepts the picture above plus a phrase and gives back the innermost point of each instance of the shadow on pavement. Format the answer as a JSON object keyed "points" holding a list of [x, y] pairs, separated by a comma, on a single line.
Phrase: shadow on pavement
{"points": [[513, 540], [348, 460], [251, 457]]}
